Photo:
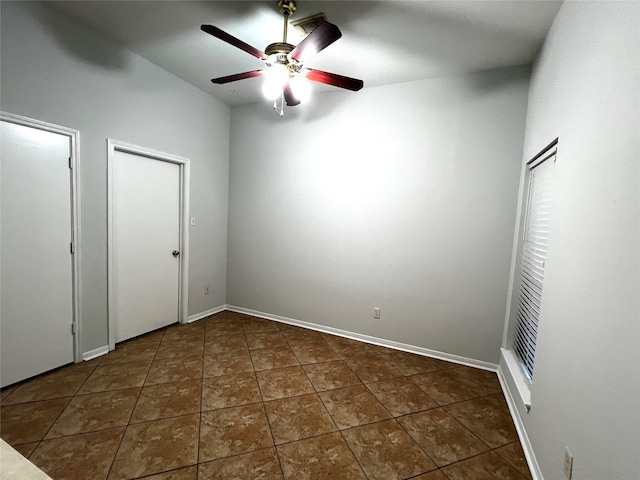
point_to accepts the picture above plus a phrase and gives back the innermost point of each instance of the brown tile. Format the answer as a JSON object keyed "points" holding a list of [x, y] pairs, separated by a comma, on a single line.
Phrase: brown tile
{"points": [[227, 363], [267, 358], [296, 335], [131, 352], [186, 473], [168, 400], [29, 422], [412, 364], [498, 400], [314, 352], [260, 464], [158, 446], [96, 411], [353, 406], [116, 377], [26, 449], [7, 391], [219, 328], [492, 424], [514, 455], [488, 466], [295, 418], [224, 343], [483, 382], [180, 348], [174, 370], [78, 457], [331, 375], [386, 452], [270, 339], [324, 457], [188, 331], [443, 387], [401, 396], [372, 369], [283, 382], [253, 324], [230, 391], [435, 475], [151, 337], [63, 382], [231, 431], [442, 437]]}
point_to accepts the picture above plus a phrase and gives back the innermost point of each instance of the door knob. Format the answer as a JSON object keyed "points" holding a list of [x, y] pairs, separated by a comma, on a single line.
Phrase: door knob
{"points": [[175, 253]]}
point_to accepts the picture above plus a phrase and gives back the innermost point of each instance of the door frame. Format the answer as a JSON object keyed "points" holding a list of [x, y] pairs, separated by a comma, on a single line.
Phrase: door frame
{"points": [[183, 234], [76, 245]]}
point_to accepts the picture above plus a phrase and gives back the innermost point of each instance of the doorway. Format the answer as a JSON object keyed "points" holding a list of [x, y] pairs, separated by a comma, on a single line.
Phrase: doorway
{"points": [[40, 293], [148, 194]]}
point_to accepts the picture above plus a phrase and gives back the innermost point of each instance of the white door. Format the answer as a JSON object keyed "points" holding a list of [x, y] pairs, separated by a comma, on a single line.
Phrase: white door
{"points": [[145, 233], [36, 260]]}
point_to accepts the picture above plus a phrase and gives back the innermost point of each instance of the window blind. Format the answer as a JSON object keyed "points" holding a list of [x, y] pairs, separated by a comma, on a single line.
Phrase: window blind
{"points": [[533, 253]]}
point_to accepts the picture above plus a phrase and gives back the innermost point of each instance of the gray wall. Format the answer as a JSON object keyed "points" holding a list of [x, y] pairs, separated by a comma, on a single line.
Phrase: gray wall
{"points": [[58, 71], [401, 197], [586, 390]]}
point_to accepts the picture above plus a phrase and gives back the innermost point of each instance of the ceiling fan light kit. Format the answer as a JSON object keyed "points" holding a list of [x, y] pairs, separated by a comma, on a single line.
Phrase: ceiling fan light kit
{"points": [[286, 76]]}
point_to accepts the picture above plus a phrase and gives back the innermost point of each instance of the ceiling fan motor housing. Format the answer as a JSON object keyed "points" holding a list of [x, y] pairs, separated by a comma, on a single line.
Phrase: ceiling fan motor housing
{"points": [[287, 7]]}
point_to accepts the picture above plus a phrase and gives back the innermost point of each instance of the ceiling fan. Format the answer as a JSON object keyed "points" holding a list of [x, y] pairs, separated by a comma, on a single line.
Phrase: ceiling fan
{"points": [[285, 71]]}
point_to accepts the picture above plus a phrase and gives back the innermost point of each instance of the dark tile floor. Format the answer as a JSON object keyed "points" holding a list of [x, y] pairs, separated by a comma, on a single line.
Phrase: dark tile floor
{"points": [[237, 397]]}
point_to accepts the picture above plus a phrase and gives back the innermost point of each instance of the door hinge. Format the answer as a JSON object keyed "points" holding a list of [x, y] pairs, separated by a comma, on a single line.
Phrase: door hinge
{"points": [[70, 165], [71, 248], [73, 328]]}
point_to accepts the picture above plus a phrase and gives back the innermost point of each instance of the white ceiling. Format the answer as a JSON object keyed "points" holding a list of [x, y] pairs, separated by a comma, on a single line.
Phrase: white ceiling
{"points": [[382, 42]]}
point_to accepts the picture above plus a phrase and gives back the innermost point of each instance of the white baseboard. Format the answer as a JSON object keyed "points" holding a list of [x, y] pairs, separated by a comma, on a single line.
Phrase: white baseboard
{"points": [[206, 313], [369, 339], [534, 468], [95, 353]]}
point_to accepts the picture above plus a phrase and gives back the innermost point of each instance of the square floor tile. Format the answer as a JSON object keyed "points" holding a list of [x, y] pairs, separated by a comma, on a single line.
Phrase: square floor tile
{"points": [[443, 387], [224, 343], [295, 335], [283, 382], [151, 337], [64, 382], [325, 457], [371, 368], [178, 332], [223, 329], [514, 455], [386, 452], [78, 457], [483, 382], [227, 363], [95, 411], [168, 370], [434, 475], [443, 438], [168, 400], [488, 466], [412, 364], [230, 391], [253, 324], [26, 449], [278, 357], [353, 406], [29, 422], [270, 339], [180, 348], [401, 396], [186, 473], [158, 446], [314, 352], [131, 352], [261, 464], [231, 431], [492, 424], [116, 377], [331, 375], [295, 418]]}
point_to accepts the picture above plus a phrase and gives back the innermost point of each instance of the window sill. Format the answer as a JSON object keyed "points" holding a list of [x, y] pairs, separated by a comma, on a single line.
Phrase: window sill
{"points": [[517, 375]]}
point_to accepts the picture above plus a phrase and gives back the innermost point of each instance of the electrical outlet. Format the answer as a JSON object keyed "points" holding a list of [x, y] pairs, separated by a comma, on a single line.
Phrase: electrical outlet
{"points": [[206, 289], [376, 312], [568, 463]]}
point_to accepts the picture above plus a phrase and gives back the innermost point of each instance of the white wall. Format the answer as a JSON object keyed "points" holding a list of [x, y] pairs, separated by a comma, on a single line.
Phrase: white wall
{"points": [[58, 71], [401, 197], [586, 385]]}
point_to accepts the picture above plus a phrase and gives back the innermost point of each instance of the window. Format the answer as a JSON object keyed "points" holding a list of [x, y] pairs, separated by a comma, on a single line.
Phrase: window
{"points": [[532, 255]]}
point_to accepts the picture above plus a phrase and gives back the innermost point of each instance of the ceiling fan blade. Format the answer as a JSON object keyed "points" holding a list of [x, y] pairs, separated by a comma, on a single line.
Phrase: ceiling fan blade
{"points": [[319, 39], [231, 40], [289, 97], [334, 79], [238, 76]]}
